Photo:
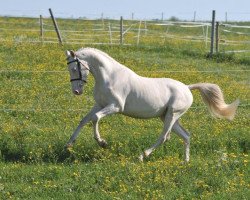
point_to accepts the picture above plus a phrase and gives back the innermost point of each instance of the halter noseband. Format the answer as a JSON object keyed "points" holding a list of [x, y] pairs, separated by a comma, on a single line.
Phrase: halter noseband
{"points": [[79, 70]]}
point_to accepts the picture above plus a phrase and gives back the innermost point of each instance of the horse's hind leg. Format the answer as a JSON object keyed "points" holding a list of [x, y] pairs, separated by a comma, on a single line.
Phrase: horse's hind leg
{"points": [[179, 130], [169, 135], [169, 121]]}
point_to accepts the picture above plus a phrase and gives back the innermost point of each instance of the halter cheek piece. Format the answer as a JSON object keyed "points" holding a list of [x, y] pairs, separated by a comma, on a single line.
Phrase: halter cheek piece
{"points": [[79, 70]]}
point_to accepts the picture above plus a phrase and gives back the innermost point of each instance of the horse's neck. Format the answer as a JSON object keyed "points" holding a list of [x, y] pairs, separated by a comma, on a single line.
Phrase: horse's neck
{"points": [[103, 68]]}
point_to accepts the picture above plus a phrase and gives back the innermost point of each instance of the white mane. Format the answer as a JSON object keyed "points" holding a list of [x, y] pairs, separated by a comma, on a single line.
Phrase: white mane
{"points": [[95, 52]]}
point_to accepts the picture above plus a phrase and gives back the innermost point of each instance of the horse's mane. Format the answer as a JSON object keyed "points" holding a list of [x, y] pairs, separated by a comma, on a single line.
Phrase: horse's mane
{"points": [[97, 51]]}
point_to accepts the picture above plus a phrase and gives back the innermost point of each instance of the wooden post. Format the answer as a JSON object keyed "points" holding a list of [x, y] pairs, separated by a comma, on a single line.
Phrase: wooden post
{"points": [[145, 27], [194, 16], [110, 34], [56, 27], [103, 26], [217, 37], [121, 31], [41, 27], [138, 36], [212, 34], [206, 36], [226, 17]]}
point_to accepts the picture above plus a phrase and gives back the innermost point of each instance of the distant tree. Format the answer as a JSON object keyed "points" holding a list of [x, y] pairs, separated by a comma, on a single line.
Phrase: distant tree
{"points": [[173, 18]]}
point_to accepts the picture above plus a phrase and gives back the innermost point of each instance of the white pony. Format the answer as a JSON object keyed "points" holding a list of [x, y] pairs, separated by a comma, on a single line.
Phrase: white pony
{"points": [[120, 90]]}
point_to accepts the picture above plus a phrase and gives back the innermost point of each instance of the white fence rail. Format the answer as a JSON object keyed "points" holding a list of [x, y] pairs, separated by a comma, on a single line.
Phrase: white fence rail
{"points": [[231, 31], [232, 37]]}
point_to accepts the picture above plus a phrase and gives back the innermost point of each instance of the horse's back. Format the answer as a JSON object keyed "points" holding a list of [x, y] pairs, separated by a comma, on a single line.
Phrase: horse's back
{"points": [[150, 97]]}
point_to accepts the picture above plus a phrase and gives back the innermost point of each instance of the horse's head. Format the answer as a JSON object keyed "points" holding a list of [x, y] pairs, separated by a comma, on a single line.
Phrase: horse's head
{"points": [[78, 70]]}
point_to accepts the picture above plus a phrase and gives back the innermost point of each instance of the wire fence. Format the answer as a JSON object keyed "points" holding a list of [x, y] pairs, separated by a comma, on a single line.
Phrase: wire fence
{"points": [[37, 108], [233, 37], [154, 71], [229, 33], [83, 110]]}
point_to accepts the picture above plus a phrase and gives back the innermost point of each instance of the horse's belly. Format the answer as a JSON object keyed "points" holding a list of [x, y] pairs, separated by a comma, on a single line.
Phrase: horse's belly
{"points": [[144, 114], [144, 109]]}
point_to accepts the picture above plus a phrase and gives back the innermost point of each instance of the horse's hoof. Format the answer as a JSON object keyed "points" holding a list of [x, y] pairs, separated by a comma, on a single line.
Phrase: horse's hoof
{"points": [[103, 143], [68, 146], [184, 162], [141, 158]]}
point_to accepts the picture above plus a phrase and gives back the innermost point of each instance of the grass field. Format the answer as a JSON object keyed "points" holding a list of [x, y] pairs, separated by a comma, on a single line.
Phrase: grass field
{"points": [[38, 114]]}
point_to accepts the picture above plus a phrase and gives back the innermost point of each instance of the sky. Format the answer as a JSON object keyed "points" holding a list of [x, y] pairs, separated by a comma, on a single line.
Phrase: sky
{"points": [[237, 10]]}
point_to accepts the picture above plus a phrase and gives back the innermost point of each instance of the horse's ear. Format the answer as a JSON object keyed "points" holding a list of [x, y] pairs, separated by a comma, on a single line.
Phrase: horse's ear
{"points": [[72, 53], [67, 53]]}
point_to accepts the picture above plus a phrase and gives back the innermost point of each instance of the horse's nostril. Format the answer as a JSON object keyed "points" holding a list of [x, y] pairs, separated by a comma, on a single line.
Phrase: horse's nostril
{"points": [[77, 92]]}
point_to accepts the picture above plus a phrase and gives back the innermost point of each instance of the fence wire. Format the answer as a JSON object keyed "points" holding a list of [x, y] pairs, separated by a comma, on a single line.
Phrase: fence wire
{"points": [[82, 110], [153, 71], [42, 110], [233, 38]]}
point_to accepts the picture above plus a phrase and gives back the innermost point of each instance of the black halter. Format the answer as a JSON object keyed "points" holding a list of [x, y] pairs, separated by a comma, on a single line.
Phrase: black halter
{"points": [[79, 70]]}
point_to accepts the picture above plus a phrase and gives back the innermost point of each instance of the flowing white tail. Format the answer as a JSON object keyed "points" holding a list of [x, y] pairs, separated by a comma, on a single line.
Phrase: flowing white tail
{"points": [[213, 97]]}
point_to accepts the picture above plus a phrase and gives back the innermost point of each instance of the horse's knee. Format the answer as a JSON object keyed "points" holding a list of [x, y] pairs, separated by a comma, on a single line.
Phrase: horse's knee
{"points": [[168, 137], [96, 118], [187, 138]]}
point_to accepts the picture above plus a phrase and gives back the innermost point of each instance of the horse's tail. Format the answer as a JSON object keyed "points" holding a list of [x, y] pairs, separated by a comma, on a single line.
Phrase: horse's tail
{"points": [[213, 97]]}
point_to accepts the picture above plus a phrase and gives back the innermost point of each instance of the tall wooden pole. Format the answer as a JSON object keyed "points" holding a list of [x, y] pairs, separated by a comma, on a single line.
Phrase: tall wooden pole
{"points": [[110, 34], [217, 37], [121, 31], [41, 27], [212, 34], [56, 27], [103, 26], [139, 32]]}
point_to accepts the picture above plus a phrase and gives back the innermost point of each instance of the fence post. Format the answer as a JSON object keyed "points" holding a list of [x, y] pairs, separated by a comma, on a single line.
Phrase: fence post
{"points": [[206, 36], [56, 27], [103, 25], [212, 34], [145, 27], [41, 27], [217, 37], [110, 34], [138, 36], [121, 31]]}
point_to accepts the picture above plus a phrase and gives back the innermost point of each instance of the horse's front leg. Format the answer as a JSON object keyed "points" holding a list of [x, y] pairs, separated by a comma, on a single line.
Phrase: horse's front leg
{"points": [[108, 110], [84, 121], [97, 137]]}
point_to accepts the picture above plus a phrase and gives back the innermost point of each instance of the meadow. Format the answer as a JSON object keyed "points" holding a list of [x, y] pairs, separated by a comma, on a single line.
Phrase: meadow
{"points": [[38, 114]]}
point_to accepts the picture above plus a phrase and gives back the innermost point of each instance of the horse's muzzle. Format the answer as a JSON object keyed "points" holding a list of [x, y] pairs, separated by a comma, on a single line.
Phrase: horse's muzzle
{"points": [[77, 92]]}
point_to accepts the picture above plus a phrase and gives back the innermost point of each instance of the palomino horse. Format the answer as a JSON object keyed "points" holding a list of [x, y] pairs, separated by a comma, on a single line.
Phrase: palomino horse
{"points": [[120, 90]]}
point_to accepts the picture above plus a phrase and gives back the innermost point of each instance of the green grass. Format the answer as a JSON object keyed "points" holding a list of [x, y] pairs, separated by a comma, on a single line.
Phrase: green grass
{"points": [[39, 113]]}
